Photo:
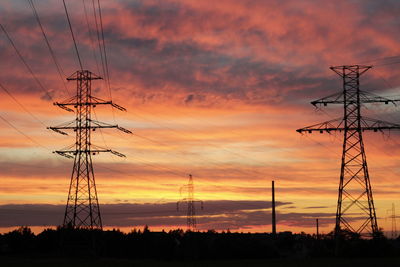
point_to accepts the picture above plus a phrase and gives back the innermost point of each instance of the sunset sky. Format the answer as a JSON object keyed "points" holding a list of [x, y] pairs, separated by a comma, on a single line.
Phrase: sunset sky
{"points": [[212, 88]]}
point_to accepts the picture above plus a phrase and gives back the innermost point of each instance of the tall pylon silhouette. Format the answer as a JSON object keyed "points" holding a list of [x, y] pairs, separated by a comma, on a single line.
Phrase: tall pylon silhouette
{"points": [[190, 201], [82, 209], [355, 207]]}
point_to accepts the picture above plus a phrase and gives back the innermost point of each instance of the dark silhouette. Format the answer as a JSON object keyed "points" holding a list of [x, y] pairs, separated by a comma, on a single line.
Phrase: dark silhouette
{"points": [[82, 209], [178, 245], [190, 201], [355, 191]]}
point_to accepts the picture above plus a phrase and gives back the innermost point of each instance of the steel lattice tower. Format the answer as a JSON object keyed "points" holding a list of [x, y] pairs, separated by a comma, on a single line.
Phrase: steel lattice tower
{"points": [[355, 206], [190, 201], [393, 217], [82, 209]]}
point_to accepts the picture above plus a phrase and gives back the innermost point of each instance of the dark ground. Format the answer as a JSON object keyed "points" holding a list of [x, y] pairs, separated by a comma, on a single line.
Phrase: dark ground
{"points": [[322, 262], [83, 247]]}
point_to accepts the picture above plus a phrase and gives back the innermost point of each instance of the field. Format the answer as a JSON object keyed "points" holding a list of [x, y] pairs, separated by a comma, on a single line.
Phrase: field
{"points": [[325, 262]]}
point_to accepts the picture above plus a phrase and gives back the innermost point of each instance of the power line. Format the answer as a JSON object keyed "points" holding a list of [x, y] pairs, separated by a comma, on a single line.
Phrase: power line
{"points": [[202, 159], [159, 167], [98, 41], [183, 173], [59, 69], [205, 142], [104, 48], [25, 63], [91, 36], [176, 172], [380, 59], [56, 62], [22, 133], [185, 135], [21, 105], [387, 64], [72, 34]]}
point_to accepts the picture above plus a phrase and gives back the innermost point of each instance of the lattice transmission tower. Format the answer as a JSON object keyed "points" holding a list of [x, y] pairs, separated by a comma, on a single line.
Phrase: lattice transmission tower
{"points": [[190, 202], [355, 207], [82, 209], [393, 219]]}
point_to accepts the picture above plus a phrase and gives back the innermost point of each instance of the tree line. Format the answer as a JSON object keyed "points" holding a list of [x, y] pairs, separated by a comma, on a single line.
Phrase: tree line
{"points": [[178, 244]]}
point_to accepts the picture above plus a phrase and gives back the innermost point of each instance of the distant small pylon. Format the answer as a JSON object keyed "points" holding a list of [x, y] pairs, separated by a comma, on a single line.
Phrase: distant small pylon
{"points": [[393, 217], [190, 201]]}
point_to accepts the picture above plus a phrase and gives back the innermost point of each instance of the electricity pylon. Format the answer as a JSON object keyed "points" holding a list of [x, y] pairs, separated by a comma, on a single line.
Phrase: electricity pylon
{"points": [[190, 201], [82, 209], [393, 217], [355, 208]]}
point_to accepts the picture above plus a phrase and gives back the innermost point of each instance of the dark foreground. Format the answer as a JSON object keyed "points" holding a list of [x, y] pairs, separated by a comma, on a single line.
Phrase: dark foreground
{"points": [[325, 262], [83, 247]]}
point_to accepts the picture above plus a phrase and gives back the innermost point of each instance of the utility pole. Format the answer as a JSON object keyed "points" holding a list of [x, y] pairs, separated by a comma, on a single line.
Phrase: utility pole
{"points": [[273, 210], [317, 223], [355, 191], [190, 201], [82, 209]]}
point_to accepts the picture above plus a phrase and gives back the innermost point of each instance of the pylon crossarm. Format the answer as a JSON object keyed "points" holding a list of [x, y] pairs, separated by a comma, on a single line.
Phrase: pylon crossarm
{"points": [[64, 124], [360, 69], [64, 154], [57, 130], [100, 125], [331, 99], [77, 75], [68, 102], [63, 106], [187, 200], [97, 149], [118, 154], [92, 103], [124, 130], [377, 125], [95, 125], [328, 126], [367, 124], [117, 106], [92, 151], [99, 101], [367, 97], [103, 124]]}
